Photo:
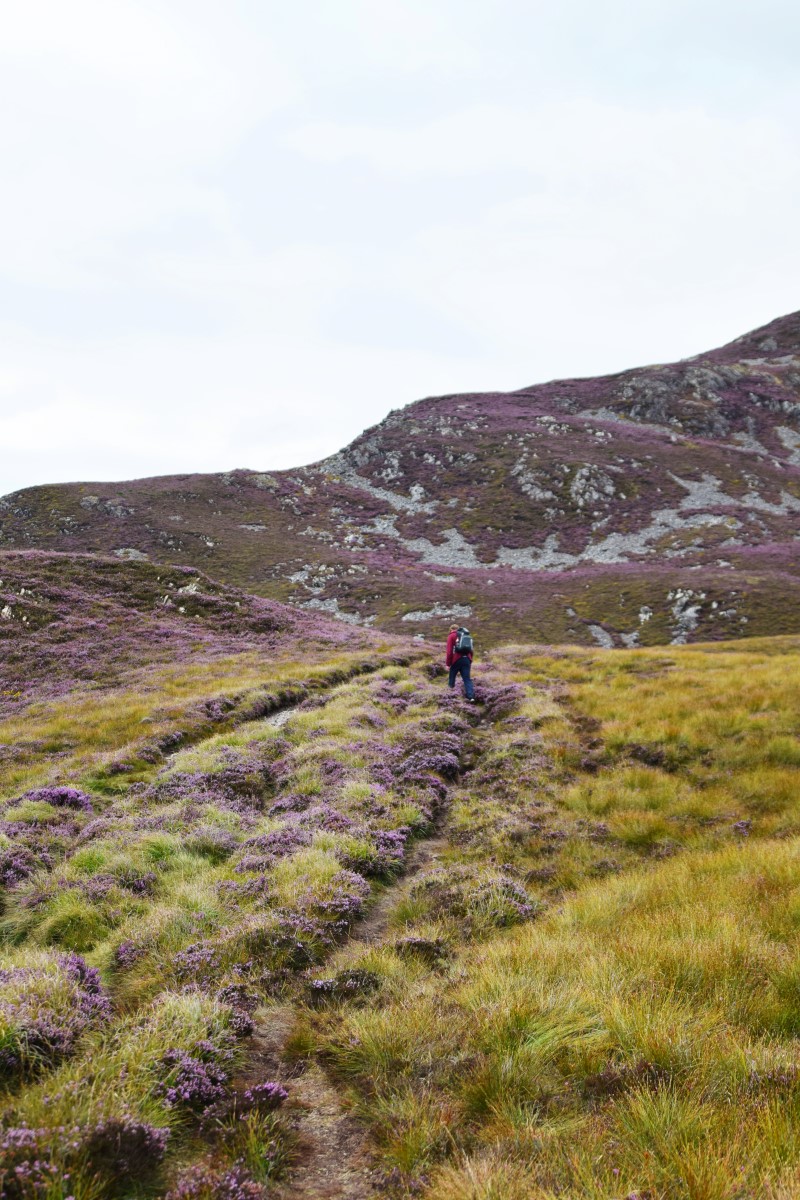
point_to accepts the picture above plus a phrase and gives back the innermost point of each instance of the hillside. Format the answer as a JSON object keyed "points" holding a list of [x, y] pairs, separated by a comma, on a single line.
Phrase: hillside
{"points": [[660, 504], [71, 619], [286, 919], [106, 665]]}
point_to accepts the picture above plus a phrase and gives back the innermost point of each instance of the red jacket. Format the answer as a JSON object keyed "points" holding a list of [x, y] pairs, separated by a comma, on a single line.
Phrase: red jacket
{"points": [[452, 656]]}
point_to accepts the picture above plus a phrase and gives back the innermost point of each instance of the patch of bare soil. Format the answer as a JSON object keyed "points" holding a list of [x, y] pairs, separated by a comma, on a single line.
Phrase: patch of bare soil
{"points": [[334, 1161], [334, 1158]]}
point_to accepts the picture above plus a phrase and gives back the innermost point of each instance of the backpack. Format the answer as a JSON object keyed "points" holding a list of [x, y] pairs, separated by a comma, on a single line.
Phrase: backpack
{"points": [[464, 643]]}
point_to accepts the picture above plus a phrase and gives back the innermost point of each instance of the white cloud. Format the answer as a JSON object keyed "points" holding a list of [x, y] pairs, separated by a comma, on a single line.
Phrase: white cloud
{"points": [[124, 41], [113, 118], [618, 217], [236, 234]]}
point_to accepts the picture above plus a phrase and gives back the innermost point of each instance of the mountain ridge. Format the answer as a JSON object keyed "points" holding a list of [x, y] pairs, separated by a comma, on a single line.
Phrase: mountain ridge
{"points": [[571, 510]]}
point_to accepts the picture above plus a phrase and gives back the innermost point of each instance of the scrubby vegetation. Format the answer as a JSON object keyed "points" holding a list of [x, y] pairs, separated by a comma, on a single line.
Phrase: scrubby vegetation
{"points": [[638, 1039], [659, 504], [543, 946], [199, 887]]}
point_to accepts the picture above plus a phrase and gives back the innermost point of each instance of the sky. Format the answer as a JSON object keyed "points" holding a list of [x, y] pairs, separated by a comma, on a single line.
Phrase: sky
{"points": [[234, 233]]}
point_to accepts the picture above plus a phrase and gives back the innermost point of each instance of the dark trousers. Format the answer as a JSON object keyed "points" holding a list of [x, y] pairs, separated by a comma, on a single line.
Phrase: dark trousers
{"points": [[462, 666]]}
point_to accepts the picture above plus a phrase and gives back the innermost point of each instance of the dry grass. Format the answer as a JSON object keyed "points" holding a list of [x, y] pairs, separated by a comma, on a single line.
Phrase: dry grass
{"points": [[78, 736], [641, 1037]]}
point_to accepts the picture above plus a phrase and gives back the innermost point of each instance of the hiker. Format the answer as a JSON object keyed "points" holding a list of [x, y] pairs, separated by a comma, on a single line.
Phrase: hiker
{"points": [[459, 659]]}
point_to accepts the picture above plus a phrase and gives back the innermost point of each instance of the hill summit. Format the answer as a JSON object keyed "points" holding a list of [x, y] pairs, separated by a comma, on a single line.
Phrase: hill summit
{"points": [[659, 504]]}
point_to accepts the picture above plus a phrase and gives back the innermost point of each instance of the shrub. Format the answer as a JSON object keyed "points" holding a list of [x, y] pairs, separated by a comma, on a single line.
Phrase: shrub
{"points": [[46, 1004], [499, 701], [27, 1171], [60, 797], [344, 986], [264, 1097], [480, 900], [205, 1183], [191, 1083], [212, 843], [19, 862], [48, 1162], [429, 950], [124, 1148], [382, 856]]}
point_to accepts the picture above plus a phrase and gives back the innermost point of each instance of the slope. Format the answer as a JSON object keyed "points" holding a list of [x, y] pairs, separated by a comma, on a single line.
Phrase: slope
{"points": [[659, 504], [586, 985], [108, 666]]}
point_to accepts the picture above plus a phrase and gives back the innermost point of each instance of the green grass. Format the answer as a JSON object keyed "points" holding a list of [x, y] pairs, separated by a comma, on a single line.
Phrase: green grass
{"points": [[640, 1036], [591, 990]]}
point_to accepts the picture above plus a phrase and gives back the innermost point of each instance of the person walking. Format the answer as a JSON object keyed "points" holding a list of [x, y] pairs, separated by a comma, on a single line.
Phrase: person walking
{"points": [[459, 659]]}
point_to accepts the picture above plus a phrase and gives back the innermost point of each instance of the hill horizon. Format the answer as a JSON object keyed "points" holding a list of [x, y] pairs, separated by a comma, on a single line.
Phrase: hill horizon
{"points": [[283, 917], [567, 511]]}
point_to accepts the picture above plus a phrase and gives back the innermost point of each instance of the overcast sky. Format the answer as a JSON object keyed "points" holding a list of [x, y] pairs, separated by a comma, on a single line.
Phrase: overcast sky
{"points": [[233, 233]]}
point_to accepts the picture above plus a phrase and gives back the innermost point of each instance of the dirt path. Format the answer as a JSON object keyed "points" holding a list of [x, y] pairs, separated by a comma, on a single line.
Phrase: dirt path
{"points": [[335, 1160], [334, 1156], [281, 716], [375, 923]]}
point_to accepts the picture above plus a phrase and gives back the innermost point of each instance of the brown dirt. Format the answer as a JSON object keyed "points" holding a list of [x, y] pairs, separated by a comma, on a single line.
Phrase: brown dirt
{"points": [[334, 1158], [335, 1162]]}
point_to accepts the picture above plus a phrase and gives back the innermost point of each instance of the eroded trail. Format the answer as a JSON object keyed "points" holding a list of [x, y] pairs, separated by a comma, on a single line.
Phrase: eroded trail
{"points": [[333, 1159], [334, 1155], [375, 924], [455, 867], [242, 897]]}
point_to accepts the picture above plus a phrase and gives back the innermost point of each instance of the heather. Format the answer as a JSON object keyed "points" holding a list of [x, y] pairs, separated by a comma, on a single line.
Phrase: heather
{"points": [[106, 682], [88, 1136], [199, 890], [321, 919], [633, 1032], [47, 1003], [656, 505], [77, 624]]}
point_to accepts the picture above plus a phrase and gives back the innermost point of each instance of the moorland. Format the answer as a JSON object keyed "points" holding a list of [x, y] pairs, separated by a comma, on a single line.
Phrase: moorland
{"points": [[283, 916], [659, 504]]}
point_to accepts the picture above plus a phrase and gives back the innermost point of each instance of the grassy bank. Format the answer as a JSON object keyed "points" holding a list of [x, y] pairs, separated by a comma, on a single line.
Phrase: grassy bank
{"points": [[636, 1034], [590, 989]]}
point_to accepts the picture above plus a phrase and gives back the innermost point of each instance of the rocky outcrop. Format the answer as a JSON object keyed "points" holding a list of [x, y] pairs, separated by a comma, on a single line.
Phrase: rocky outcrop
{"points": [[516, 507]]}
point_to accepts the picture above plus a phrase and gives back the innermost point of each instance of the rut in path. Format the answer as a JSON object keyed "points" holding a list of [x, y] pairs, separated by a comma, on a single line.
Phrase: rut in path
{"points": [[334, 1155]]}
